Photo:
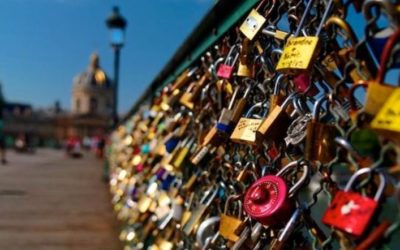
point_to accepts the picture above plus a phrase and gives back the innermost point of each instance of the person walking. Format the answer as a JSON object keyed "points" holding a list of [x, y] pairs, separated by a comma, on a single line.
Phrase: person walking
{"points": [[2, 141]]}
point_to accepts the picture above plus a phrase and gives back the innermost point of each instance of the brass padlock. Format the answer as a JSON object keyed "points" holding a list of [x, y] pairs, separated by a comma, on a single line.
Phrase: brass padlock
{"points": [[377, 91], [252, 24], [189, 97], [274, 127], [245, 129], [228, 223], [183, 152], [276, 97], [300, 52], [245, 67], [320, 136]]}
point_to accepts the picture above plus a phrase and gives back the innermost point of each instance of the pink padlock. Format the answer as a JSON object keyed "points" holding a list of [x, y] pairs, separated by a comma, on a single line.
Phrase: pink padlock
{"points": [[225, 70], [302, 82]]}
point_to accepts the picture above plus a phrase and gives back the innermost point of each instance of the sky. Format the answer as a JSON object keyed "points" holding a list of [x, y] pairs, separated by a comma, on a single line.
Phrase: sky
{"points": [[45, 43]]}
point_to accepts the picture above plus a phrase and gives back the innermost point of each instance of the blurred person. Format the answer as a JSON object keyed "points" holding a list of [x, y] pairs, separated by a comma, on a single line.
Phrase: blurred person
{"points": [[20, 143], [86, 142], [2, 143], [100, 147]]}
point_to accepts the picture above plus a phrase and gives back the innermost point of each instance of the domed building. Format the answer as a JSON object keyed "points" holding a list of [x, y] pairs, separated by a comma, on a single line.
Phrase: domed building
{"points": [[92, 92], [90, 114]]}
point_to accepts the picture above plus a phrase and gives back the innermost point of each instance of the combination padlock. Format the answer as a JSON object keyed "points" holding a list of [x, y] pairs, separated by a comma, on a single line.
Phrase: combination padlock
{"points": [[269, 201], [350, 211]]}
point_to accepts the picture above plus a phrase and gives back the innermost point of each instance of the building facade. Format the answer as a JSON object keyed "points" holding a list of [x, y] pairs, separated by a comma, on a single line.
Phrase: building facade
{"points": [[90, 114]]}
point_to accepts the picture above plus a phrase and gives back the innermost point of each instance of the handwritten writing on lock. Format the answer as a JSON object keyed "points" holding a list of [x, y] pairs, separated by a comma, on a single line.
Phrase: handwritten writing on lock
{"points": [[297, 54]]}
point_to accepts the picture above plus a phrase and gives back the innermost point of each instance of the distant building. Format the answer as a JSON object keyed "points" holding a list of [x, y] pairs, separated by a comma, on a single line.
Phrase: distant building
{"points": [[90, 115], [92, 92]]}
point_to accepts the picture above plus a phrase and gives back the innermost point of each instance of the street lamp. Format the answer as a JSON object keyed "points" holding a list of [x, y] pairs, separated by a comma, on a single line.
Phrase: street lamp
{"points": [[116, 24]]}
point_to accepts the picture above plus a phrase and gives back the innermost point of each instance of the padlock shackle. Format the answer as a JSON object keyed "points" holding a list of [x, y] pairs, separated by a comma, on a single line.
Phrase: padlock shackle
{"points": [[290, 225], [215, 65], [209, 196], [288, 99], [247, 90], [303, 17], [306, 171], [353, 88], [252, 108], [382, 181], [317, 106], [249, 170], [390, 44], [230, 60], [278, 82], [383, 4], [324, 17], [209, 222], [192, 71], [342, 24], [233, 98], [232, 198]]}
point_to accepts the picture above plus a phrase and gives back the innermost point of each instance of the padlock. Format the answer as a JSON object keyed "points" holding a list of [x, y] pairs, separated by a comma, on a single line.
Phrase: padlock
{"points": [[201, 153], [165, 240], [273, 31], [213, 137], [224, 122], [319, 145], [207, 230], [228, 223], [387, 121], [173, 214], [276, 97], [240, 105], [183, 152], [274, 127], [303, 84], [269, 200], [245, 67], [184, 78], [299, 52], [146, 201], [366, 67], [378, 41], [199, 211], [350, 211], [225, 70], [253, 23], [189, 97], [281, 242], [377, 37], [377, 91], [176, 89], [245, 130]]}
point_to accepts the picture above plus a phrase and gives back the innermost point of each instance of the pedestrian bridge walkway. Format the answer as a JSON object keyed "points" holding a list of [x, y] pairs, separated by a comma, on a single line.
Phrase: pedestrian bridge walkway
{"points": [[49, 201]]}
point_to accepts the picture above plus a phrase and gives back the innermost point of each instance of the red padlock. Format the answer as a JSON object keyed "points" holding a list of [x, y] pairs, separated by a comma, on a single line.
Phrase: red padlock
{"points": [[269, 201], [350, 211], [225, 70]]}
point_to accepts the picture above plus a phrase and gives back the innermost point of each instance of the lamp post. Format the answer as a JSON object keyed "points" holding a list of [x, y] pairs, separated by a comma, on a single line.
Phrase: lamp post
{"points": [[116, 24]]}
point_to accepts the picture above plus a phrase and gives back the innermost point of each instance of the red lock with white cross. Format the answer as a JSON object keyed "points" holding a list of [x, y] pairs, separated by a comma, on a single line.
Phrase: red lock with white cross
{"points": [[350, 211]]}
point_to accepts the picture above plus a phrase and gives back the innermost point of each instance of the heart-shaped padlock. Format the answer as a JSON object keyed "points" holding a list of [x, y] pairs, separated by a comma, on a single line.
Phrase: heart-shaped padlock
{"points": [[268, 200]]}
